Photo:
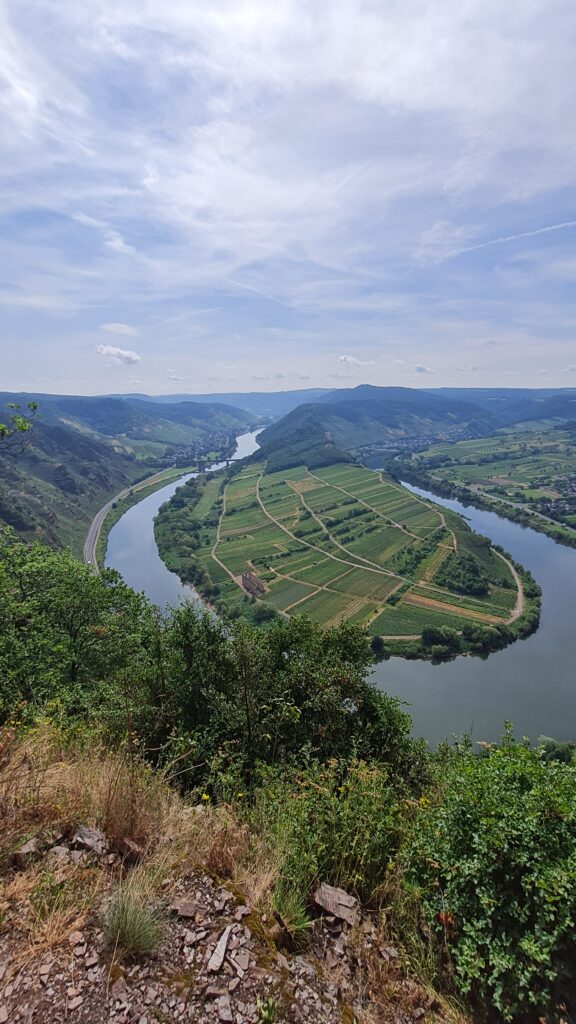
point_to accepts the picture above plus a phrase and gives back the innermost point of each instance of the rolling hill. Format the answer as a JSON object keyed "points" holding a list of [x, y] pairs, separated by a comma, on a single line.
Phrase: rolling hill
{"points": [[508, 406], [58, 481], [82, 451], [366, 415], [132, 421]]}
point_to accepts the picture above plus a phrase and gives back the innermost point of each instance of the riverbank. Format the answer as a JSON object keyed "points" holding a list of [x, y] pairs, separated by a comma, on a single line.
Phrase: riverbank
{"points": [[506, 509], [123, 502]]}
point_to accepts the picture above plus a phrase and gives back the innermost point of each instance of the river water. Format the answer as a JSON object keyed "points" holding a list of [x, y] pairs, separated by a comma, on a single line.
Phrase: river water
{"points": [[132, 548], [532, 683]]}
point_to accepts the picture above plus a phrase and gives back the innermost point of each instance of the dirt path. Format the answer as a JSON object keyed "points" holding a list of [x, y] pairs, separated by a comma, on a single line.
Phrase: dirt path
{"points": [[237, 579], [367, 563], [350, 494], [325, 554], [428, 505], [452, 609], [519, 606], [368, 567]]}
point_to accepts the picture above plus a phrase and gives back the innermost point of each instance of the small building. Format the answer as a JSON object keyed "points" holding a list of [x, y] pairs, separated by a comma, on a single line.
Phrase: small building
{"points": [[252, 585]]}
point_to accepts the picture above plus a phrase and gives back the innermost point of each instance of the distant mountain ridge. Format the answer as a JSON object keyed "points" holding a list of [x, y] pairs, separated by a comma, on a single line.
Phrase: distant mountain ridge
{"points": [[353, 418], [518, 405], [260, 403], [134, 418], [368, 415]]}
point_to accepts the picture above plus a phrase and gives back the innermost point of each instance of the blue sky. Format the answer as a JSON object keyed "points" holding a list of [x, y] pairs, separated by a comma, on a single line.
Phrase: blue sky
{"points": [[207, 195]]}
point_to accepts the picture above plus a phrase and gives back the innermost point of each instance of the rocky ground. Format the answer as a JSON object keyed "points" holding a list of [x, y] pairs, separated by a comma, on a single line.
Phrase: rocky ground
{"points": [[218, 959]]}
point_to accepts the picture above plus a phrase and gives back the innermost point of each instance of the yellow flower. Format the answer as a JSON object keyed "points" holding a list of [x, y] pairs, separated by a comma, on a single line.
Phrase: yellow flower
{"points": [[205, 797]]}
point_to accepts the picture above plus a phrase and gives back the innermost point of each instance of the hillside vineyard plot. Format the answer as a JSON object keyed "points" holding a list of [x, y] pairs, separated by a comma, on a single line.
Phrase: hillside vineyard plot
{"points": [[344, 542], [529, 476]]}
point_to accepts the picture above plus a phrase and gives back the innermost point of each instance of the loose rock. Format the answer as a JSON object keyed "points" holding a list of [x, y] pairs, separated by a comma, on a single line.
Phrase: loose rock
{"points": [[337, 902]]}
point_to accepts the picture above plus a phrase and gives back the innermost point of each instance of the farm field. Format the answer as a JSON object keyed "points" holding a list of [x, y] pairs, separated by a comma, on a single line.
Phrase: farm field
{"points": [[342, 543], [533, 471]]}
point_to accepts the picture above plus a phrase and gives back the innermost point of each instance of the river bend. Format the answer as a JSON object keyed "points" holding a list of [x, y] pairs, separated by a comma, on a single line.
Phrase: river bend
{"points": [[532, 683]]}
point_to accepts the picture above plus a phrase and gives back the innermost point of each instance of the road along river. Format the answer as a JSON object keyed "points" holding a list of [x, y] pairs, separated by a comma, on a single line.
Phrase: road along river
{"points": [[532, 683]]}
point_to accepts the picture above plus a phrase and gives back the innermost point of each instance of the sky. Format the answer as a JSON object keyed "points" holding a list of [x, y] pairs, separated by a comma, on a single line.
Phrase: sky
{"points": [[217, 195]]}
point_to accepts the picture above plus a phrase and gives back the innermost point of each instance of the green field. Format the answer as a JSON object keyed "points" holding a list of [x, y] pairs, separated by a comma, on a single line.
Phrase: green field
{"points": [[339, 543], [532, 473]]}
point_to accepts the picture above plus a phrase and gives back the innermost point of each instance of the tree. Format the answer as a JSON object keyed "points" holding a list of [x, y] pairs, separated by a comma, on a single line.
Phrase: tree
{"points": [[17, 424]]}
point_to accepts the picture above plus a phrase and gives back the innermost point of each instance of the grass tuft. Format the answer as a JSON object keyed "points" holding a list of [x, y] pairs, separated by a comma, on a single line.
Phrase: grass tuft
{"points": [[131, 924]]}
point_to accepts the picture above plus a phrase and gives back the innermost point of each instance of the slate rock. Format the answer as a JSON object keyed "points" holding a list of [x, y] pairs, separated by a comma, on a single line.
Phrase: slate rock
{"points": [[30, 851], [91, 839], [337, 902], [217, 958]]}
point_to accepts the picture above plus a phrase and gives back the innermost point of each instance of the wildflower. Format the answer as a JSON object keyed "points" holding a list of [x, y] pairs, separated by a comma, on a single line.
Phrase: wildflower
{"points": [[205, 798]]}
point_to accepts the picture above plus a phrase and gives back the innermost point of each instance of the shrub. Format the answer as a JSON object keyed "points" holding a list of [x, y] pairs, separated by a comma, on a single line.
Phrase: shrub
{"points": [[492, 860], [340, 823]]}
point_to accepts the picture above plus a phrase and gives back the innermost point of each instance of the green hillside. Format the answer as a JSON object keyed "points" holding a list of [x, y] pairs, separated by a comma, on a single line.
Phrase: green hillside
{"points": [[138, 427], [82, 451], [367, 415], [58, 482]]}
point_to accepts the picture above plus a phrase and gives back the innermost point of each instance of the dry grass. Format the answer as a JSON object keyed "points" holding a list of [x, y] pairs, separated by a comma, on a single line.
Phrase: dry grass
{"points": [[47, 789], [382, 985], [43, 785], [41, 908]]}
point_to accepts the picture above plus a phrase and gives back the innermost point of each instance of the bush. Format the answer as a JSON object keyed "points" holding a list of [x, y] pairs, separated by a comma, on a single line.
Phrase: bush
{"points": [[339, 823], [492, 860]]}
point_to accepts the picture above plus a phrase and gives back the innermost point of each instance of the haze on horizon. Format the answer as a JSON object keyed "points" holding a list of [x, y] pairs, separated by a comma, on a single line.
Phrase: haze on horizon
{"points": [[224, 196]]}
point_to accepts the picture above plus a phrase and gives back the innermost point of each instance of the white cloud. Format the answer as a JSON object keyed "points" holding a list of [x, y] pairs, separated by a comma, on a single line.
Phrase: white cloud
{"points": [[419, 368], [569, 369], [124, 329], [354, 361], [473, 368], [118, 355], [111, 239]]}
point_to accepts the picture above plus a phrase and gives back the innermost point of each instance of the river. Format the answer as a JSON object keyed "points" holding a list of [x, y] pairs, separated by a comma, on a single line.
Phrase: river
{"points": [[532, 683], [132, 548]]}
